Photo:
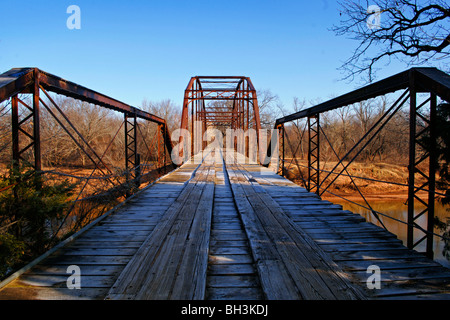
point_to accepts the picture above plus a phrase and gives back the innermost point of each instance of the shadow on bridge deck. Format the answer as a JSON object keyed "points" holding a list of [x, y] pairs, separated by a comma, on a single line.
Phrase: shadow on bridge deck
{"points": [[227, 230]]}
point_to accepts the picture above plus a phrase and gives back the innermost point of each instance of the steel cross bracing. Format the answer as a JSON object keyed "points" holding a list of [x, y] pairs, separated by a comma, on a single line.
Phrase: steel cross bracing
{"points": [[217, 102], [18, 82], [414, 81]]}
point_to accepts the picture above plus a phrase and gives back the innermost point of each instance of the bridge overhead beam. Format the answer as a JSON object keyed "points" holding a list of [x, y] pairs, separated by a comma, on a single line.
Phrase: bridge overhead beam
{"points": [[240, 110]]}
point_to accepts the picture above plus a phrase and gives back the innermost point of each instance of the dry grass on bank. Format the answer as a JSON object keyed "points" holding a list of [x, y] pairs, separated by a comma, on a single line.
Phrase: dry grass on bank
{"points": [[378, 172]]}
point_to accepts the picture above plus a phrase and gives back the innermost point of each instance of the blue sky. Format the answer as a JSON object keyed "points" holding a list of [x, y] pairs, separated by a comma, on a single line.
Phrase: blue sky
{"points": [[136, 49]]}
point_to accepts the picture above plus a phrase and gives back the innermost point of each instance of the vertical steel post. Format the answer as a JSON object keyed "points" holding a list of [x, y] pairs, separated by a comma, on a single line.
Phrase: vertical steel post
{"points": [[247, 150], [192, 120], [36, 123], [283, 158], [138, 170], [432, 175], [318, 153], [309, 155], [313, 153], [412, 161], [158, 139], [15, 130], [131, 154], [428, 152], [17, 126], [127, 168], [164, 146], [40, 239]]}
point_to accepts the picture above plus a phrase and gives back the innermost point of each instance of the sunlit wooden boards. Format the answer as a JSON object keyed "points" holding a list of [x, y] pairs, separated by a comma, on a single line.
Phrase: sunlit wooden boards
{"points": [[290, 265], [241, 232], [354, 245], [231, 272], [172, 261], [101, 252]]}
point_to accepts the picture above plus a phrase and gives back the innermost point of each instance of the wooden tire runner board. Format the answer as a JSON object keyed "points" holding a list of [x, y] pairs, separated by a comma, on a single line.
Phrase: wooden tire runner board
{"points": [[220, 229]]}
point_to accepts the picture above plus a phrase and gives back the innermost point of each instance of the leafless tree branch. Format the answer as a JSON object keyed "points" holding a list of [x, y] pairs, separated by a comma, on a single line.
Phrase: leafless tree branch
{"points": [[415, 32]]}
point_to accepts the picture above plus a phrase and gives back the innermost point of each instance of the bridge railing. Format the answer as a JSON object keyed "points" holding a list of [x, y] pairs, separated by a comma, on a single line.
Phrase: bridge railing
{"points": [[54, 130], [320, 160]]}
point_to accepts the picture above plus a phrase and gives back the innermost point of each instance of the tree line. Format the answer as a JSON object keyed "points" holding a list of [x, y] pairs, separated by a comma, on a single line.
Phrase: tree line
{"points": [[342, 128], [100, 128]]}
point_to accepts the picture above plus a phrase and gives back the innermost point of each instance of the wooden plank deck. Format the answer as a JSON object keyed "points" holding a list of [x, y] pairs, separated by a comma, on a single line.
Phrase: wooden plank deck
{"points": [[224, 230]]}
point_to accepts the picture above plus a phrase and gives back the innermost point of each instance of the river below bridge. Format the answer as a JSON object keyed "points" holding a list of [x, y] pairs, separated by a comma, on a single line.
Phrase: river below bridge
{"points": [[397, 208]]}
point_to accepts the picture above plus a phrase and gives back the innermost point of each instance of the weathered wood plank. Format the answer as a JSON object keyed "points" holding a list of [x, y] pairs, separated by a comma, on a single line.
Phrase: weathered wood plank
{"points": [[234, 293], [283, 223], [228, 234], [152, 272], [88, 243], [413, 287], [224, 281], [273, 271], [379, 246], [374, 254], [215, 243], [305, 256], [60, 281], [190, 283], [274, 276], [230, 259], [386, 264], [90, 270], [405, 274], [221, 250], [80, 251], [232, 269], [231, 250], [86, 260]]}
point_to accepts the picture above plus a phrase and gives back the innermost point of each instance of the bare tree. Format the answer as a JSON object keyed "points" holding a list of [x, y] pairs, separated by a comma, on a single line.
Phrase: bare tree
{"points": [[270, 108], [165, 109], [414, 32], [92, 122]]}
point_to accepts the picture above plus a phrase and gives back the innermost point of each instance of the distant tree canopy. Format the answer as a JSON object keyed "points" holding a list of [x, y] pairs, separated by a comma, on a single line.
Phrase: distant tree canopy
{"points": [[414, 32], [443, 148]]}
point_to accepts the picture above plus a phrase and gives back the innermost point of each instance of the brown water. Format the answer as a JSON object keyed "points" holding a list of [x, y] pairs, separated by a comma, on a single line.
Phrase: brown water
{"points": [[398, 210]]}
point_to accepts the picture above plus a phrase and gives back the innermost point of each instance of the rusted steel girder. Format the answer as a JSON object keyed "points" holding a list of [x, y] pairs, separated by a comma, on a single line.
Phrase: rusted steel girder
{"points": [[432, 81], [427, 80], [26, 128], [22, 80], [237, 90]]}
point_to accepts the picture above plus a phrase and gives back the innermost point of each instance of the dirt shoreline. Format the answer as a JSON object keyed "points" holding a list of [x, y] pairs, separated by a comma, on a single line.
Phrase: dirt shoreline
{"points": [[388, 196]]}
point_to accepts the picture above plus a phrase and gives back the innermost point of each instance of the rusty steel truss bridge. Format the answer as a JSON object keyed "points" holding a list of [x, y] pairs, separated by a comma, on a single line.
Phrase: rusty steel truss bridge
{"points": [[205, 211]]}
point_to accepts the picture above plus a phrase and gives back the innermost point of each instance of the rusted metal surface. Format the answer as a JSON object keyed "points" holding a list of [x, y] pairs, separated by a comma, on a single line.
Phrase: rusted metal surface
{"points": [[239, 109], [30, 93], [430, 81], [33, 80], [427, 80]]}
